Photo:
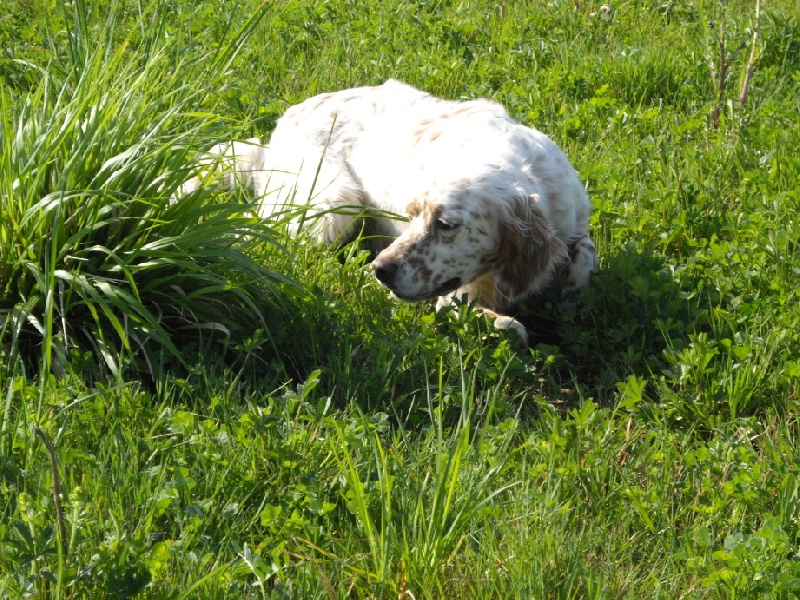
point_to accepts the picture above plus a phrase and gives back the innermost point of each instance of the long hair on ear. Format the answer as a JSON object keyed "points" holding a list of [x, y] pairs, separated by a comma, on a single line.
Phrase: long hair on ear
{"points": [[528, 252]]}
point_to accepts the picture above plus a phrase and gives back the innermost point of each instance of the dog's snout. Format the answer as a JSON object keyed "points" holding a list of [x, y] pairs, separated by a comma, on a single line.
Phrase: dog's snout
{"points": [[385, 270]]}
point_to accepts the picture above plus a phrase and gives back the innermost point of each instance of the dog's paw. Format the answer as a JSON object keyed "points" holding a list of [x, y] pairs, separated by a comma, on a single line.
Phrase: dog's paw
{"points": [[506, 322]]}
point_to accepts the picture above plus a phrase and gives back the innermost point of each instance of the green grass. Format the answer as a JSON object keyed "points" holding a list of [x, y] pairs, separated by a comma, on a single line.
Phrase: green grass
{"points": [[234, 413]]}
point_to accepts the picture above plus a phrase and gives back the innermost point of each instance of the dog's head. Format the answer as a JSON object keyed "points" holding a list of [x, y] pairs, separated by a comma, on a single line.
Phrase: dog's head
{"points": [[469, 234]]}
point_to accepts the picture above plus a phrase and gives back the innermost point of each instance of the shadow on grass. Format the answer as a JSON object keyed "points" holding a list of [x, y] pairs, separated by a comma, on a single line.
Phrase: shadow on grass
{"points": [[388, 356], [634, 311]]}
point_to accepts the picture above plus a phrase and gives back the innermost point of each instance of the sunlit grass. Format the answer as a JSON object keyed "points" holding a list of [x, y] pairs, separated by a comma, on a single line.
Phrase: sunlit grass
{"points": [[239, 414], [94, 256]]}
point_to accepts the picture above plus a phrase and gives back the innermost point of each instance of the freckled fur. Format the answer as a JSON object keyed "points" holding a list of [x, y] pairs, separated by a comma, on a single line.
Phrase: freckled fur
{"points": [[513, 205]]}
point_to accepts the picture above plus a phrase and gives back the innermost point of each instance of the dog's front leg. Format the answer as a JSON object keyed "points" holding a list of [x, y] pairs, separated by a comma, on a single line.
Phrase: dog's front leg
{"points": [[503, 322], [507, 322]]}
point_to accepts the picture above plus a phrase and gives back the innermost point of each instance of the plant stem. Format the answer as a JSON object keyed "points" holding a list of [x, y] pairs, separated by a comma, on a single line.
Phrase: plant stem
{"points": [[62, 525], [722, 76], [754, 52]]}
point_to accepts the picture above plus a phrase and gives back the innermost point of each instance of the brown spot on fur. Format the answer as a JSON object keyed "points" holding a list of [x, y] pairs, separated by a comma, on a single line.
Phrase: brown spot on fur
{"points": [[582, 245], [528, 251], [486, 292]]}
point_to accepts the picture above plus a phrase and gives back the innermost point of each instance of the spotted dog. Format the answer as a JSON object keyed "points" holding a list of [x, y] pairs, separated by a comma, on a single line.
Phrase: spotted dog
{"points": [[490, 207]]}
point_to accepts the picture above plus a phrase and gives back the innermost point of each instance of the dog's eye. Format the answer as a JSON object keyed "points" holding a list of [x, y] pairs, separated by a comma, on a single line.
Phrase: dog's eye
{"points": [[442, 225]]}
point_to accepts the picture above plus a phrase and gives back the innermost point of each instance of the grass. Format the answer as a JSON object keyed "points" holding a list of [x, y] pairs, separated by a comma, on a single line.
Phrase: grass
{"points": [[233, 413]]}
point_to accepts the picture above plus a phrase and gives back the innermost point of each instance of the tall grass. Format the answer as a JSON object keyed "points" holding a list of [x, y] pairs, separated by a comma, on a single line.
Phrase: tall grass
{"points": [[417, 505], [93, 255]]}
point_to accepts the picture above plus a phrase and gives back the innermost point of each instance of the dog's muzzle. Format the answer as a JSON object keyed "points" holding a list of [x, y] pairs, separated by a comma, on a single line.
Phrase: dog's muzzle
{"points": [[386, 271]]}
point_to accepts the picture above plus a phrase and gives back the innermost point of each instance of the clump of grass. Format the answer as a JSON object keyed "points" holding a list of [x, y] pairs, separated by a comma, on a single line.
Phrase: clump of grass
{"points": [[93, 254], [418, 506]]}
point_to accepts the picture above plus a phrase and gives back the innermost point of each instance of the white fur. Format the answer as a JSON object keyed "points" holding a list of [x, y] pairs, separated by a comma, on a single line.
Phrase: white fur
{"points": [[490, 207]]}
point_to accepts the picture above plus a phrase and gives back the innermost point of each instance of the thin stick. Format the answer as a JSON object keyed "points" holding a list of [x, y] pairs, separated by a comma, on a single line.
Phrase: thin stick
{"points": [[723, 76], [62, 525], [754, 50]]}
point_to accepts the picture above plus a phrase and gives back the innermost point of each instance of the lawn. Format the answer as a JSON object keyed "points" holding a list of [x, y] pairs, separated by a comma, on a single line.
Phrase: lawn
{"points": [[195, 405]]}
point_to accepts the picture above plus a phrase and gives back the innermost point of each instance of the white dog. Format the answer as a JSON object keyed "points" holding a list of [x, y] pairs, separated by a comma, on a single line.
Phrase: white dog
{"points": [[489, 207]]}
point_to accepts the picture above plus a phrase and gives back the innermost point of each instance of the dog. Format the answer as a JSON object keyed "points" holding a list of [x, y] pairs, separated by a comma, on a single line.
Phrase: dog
{"points": [[460, 200]]}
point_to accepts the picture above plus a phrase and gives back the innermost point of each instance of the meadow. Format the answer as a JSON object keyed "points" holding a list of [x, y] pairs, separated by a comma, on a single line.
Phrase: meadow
{"points": [[195, 405]]}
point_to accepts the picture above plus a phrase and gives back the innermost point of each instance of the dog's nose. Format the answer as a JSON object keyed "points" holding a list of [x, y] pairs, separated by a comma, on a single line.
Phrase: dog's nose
{"points": [[385, 270]]}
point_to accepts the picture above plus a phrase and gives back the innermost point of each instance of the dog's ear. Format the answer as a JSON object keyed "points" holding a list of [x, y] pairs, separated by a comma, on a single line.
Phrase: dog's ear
{"points": [[528, 251]]}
